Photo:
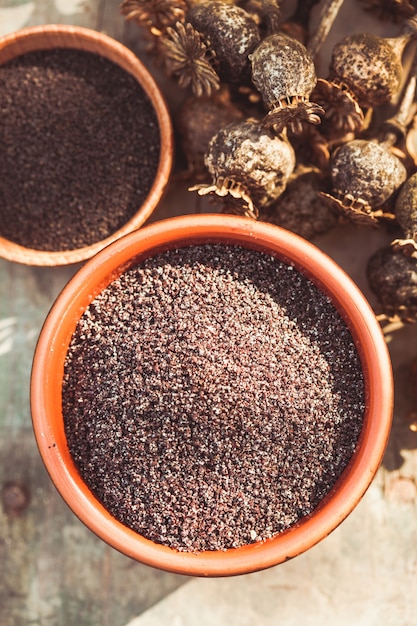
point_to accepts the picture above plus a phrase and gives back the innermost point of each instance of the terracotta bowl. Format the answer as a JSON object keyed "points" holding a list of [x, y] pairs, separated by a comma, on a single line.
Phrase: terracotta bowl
{"points": [[54, 36], [96, 274]]}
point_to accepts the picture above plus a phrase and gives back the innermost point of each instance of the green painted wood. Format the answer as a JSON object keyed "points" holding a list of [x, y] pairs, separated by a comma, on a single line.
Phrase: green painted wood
{"points": [[53, 570]]}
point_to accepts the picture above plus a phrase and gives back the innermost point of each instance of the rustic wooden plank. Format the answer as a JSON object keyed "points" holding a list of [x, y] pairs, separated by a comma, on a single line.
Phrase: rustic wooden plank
{"points": [[53, 570], [109, 19]]}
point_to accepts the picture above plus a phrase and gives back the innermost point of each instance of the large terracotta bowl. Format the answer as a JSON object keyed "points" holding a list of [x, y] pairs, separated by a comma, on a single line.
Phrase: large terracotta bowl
{"points": [[96, 274], [62, 36]]}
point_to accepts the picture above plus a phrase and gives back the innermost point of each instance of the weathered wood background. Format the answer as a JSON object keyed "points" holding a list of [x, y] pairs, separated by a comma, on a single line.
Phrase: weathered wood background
{"points": [[53, 571]]}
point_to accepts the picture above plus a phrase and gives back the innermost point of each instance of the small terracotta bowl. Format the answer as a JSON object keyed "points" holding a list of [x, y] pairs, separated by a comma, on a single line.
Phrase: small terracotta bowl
{"points": [[62, 36], [96, 274]]}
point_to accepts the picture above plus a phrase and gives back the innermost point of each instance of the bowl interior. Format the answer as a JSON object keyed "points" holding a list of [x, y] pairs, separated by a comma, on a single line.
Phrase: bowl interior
{"points": [[62, 36], [96, 274]]}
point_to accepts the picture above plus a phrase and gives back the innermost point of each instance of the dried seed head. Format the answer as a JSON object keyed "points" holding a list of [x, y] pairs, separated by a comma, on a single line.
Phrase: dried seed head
{"points": [[342, 113], [393, 131], [392, 276], [301, 209], [406, 207], [230, 33], [284, 73], [237, 202], [410, 143], [199, 119], [187, 58], [406, 215], [154, 15], [249, 163], [364, 174], [282, 68], [297, 25], [395, 10], [371, 66], [312, 148], [266, 13]]}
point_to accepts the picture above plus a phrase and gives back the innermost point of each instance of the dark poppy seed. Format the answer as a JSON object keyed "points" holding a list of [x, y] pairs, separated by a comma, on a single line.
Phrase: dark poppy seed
{"points": [[80, 148], [212, 397]]}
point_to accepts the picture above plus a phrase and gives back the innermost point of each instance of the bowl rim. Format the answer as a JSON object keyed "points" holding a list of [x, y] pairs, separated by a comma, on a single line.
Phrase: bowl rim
{"points": [[52, 35], [96, 274]]}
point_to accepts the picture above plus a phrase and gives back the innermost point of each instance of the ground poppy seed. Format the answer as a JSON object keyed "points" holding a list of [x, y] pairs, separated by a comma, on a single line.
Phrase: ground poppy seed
{"points": [[80, 148], [212, 396]]}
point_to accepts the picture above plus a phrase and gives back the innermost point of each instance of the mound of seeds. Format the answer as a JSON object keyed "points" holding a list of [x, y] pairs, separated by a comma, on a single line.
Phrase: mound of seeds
{"points": [[212, 396], [80, 148]]}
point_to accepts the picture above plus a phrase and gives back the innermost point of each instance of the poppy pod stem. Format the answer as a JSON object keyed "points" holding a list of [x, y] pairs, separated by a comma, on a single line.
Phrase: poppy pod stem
{"points": [[298, 24], [326, 20], [395, 128]]}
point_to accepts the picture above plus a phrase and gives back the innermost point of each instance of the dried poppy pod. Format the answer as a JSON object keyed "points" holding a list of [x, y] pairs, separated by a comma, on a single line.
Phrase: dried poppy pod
{"points": [[266, 13], [250, 166], [392, 276], [410, 143], [297, 25], [406, 215], [371, 66], [365, 71], [395, 10], [300, 209], [154, 15], [187, 58], [230, 33], [342, 113], [199, 119], [365, 174], [283, 72]]}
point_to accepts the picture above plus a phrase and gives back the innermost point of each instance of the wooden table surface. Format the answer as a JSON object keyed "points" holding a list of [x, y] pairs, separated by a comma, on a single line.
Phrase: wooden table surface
{"points": [[54, 571]]}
